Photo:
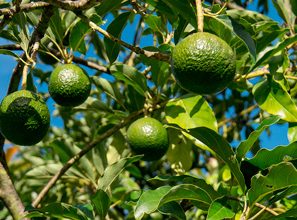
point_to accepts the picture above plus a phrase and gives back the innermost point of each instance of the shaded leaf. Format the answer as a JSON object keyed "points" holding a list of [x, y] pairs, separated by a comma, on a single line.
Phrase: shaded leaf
{"points": [[115, 28], [271, 97], [101, 203], [246, 145], [222, 149], [77, 36], [173, 209]]}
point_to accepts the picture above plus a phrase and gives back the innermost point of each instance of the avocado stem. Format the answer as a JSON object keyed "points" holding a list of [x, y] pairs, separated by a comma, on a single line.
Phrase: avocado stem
{"points": [[200, 17]]}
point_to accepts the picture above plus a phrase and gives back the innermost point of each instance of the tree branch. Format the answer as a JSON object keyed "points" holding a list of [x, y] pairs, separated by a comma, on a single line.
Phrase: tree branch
{"points": [[23, 7], [137, 50], [85, 150], [74, 5]]}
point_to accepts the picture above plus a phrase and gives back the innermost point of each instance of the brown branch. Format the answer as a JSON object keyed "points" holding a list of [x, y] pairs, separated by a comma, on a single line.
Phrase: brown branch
{"points": [[137, 50], [85, 150], [74, 5], [11, 47], [9, 195], [23, 7], [90, 64], [230, 5], [35, 39]]}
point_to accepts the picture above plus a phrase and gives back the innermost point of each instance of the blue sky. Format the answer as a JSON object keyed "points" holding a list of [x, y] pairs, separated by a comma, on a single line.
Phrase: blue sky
{"points": [[278, 132]]}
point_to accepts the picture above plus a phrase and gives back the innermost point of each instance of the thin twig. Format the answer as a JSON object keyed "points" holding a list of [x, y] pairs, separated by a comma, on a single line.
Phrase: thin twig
{"points": [[137, 50], [265, 209], [200, 16], [75, 5]]}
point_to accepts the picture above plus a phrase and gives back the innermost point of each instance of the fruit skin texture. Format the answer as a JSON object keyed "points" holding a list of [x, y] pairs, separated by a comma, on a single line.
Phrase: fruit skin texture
{"points": [[148, 136], [24, 118], [203, 63], [69, 85]]}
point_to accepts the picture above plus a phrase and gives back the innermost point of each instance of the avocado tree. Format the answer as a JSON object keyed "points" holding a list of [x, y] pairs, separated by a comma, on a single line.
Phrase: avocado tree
{"points": [[211, 164]]}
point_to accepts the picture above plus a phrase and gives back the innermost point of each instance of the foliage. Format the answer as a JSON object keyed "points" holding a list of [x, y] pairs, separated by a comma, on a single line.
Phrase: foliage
{"points": [[215, 167]]}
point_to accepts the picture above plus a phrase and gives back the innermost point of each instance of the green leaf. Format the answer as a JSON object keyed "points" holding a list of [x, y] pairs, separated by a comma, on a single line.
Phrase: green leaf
{"points": [[57, 27], [187, 191], [265, 158], [155, 23], [60, 211], [273, 50], [173, 209], [184, 8], [8, 52], [130, 76], [219, 209], [271, 97], [246, 145], [108, 6], [115, 28], [188, 179], [250, 16], [179, 153], [30, 82], [77, 37], [222, 149], [279, 177], [149, 201], [292, 132], [232, 33], [101, 203], [285, 10], [292, 213], [190, 111], [114, 170]]}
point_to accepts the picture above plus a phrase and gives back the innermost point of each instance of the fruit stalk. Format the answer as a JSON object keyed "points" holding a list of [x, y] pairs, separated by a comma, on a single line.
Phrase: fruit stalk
{"points": [[200, 17]]}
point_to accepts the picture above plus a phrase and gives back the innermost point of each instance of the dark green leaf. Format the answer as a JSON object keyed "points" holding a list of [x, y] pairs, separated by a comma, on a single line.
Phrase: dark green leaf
{"points": [[107, 6], [77, 36], [155, 23], [221, 147], [57, 27], [271, 97], [115, 28], [184, 8], [101, 203], [285, 10], [246, 145], [173, 209], [292, 213]]}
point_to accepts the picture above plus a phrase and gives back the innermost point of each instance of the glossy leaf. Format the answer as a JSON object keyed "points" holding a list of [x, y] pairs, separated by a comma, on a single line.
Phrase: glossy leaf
{"points": [[292, 132], [271, 97], [190, 111], [285, 10], [246, 145], [114, 170], [266, 158], [186, 191], [219, 209], [101, 201], [280, 176], [115, 28], [149, 201], [290, 214], [222, 149]]}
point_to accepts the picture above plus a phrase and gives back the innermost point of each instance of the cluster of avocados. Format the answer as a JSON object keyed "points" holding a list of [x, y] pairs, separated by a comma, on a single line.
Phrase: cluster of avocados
{"points": [[24, 116], [202, 63]]}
